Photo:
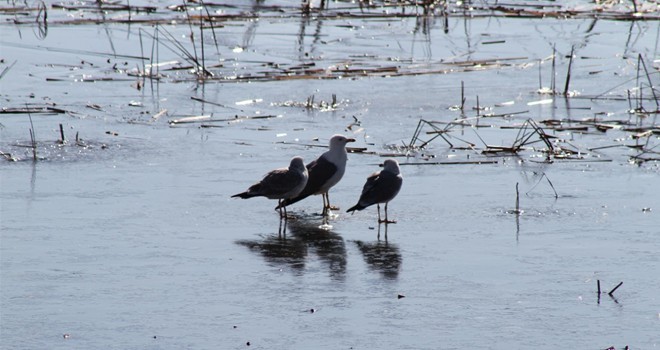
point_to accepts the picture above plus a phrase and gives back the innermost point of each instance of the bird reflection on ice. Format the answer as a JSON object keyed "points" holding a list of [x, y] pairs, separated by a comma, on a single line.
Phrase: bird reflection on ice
{"points": [[381, 256], [303, 240]]}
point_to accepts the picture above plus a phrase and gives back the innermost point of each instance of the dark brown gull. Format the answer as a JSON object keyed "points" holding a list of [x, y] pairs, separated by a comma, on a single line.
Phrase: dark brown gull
{"points": [[280, 184], [381, 187]]}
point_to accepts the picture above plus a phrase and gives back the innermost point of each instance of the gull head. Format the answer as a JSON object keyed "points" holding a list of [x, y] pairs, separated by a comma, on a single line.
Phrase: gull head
{"points": [[297, 163], [392, 166], [339, 141]]}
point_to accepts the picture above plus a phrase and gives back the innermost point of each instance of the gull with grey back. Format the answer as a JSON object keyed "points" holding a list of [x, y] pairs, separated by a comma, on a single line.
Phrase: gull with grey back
{"points": [[381, 187], [324, 172], [280, 184]]}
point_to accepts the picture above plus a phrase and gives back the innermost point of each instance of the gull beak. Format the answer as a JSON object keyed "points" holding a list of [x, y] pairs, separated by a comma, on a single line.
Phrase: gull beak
{"points": [[350, 140]]}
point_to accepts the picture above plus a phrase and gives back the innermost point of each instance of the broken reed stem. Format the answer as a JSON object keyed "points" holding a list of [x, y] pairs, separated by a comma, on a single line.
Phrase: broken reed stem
{"points": [[640, 102], [598, 284], [61, 134], [4, 71], [639, 87], [542, 135], [462, 97], [648, 77], [540, 77], [33, 138], [34, 145], [42, 10], [549, 182], [554, 59], [478, 110], [479, 136], [42, 21], [144, 67], [154, 49], [416, 134], [551, 185], [182, 51], [208, 15], [438, 133], [517, 200], [192, 37], [615, 288], [201, 38], [568, 73]]}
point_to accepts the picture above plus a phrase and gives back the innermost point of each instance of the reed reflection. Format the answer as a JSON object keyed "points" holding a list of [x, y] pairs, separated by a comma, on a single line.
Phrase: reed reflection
{"points": [[300, 240]]}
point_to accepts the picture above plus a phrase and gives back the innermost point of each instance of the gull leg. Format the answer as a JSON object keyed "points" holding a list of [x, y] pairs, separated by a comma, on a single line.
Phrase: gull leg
{"points": [[325, 205], [379, 220], [330, 206], [386, 220], [327, 201]]}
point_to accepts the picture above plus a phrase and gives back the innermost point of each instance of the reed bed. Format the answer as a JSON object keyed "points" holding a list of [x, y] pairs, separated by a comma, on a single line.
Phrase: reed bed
{"points": [[200, 60]]}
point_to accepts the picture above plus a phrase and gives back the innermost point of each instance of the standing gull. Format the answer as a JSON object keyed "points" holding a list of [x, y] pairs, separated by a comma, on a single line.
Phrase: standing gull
{"points": [[381, 187], [280, 184], [324, 172]]}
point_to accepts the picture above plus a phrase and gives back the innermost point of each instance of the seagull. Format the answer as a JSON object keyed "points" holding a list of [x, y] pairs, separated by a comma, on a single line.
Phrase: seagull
{"points": [[280, 184], [381, 187], [324, 172]]}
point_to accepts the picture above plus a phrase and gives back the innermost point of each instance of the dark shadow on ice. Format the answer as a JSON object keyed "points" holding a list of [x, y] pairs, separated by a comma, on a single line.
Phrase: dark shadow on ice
{"points": [[328, 246], [303, 240], [279, 250], [382, 256]]}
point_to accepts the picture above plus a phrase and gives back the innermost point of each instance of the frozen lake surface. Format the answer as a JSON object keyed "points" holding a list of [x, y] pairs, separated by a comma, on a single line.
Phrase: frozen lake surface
{"points": [[128, 239]]}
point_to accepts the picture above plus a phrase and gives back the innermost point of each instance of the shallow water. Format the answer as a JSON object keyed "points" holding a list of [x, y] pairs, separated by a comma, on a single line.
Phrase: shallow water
{"points": [[134, 241]]}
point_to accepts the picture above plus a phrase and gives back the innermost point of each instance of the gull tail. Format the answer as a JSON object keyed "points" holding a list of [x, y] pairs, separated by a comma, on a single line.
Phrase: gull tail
{"points": [[244, 195], [306, 192], [289, 201], [355, 207]]}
